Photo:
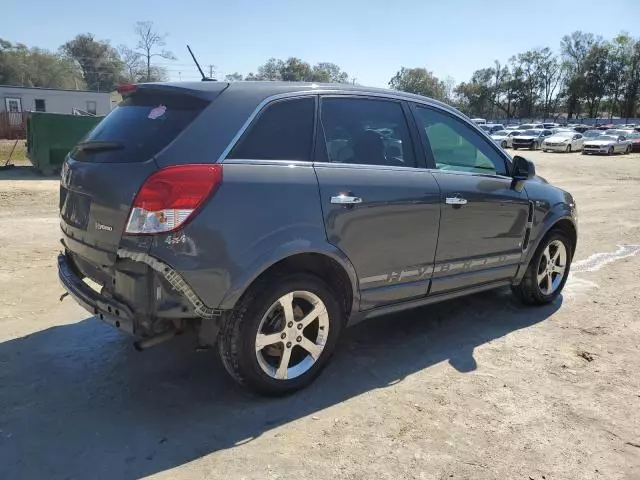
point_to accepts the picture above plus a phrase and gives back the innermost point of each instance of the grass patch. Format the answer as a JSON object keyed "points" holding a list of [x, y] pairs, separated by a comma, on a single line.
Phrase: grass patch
{"points": [[19, 155]]}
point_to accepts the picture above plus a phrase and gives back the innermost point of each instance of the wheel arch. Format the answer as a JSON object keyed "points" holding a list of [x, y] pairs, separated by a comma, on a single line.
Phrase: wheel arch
{"points": [[564, 223], [330, 264]]}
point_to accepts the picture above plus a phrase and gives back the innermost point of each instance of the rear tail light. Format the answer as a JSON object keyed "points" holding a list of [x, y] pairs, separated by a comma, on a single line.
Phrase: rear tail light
{"points": [[170, 196], [127, 88]]}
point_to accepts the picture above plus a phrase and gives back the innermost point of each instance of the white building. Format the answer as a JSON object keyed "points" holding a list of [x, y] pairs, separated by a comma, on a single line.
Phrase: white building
{"points": [[16, 101]]}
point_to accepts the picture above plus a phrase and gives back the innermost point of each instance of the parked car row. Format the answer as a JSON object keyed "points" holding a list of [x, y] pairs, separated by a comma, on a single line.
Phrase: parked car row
{"points": [[536, 136]]}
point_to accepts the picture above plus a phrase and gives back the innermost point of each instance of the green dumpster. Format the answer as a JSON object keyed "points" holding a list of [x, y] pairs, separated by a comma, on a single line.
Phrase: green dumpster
{"points": [[50, 136]]}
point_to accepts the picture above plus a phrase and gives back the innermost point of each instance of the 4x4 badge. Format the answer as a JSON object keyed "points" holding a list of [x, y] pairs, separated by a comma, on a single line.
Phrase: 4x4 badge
{"points": [[101, 226]]}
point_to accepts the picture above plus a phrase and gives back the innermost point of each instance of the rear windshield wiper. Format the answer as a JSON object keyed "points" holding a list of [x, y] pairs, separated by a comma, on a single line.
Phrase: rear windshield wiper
{"points": [[99, 146]]}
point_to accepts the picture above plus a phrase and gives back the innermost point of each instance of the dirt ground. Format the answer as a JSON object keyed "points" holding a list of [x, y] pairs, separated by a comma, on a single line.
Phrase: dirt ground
{"points": [[478, 388]]}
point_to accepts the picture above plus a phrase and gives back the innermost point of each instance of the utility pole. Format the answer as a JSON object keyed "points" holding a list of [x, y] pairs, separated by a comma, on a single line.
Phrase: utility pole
{"points": [[210, 71]]}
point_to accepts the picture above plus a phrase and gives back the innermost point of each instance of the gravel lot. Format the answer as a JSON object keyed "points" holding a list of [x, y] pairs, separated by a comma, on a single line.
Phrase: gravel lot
{"points": [[478, 388]]}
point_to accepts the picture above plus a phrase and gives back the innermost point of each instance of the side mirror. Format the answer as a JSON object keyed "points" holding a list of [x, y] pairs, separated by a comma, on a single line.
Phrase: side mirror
{"points": [[523, 169]]}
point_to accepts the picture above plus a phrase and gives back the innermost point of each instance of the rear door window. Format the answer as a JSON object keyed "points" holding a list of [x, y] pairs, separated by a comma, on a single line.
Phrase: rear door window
{"points": [[283, 131], [367, 132], [141, 126]]}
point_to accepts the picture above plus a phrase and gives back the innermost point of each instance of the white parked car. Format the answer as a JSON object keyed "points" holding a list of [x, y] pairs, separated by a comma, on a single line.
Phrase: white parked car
{"points": [[504, 138], [563, 141], [608, 144]]}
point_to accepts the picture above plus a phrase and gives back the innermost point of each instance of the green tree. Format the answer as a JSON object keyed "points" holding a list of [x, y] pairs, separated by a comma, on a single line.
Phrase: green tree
{"points": [[271, 70], [101, 66], [617, 66], [550, 74], [574, 49], [329, 72], [20, 65], [149, 46], [596, 79], [632, 81], [233, 77], [296, 70], [420, 81]]}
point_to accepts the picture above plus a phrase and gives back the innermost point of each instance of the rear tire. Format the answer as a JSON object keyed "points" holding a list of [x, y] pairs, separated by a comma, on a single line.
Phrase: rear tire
{"points": [[261, 317], [628, 150], [515, 148], [611, 151], [543, 281], [504, 144]]}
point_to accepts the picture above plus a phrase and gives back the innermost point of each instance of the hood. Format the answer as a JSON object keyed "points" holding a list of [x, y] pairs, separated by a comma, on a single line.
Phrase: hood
{"points": [[538, 179], [557, 138]]}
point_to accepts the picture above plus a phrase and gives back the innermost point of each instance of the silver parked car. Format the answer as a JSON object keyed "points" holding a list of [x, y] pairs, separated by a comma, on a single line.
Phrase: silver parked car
{"points": [[608, 144], [531, 139], [504, 138], [563, 141]]}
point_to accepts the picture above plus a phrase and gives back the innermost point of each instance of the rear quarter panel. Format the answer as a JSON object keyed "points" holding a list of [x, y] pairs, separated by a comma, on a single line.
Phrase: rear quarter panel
{"points": [[264, 211]]}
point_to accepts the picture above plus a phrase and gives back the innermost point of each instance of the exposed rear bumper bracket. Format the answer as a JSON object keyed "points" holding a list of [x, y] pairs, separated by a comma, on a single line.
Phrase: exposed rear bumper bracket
{"points": [[175, 280]]}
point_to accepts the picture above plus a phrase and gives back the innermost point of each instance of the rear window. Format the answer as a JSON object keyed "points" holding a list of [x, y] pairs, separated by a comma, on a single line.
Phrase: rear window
{"points": [[283, 131], [139, 128]]}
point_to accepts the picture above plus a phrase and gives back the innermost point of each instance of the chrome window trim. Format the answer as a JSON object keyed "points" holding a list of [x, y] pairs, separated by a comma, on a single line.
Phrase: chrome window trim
{"points": [[325, 91]]}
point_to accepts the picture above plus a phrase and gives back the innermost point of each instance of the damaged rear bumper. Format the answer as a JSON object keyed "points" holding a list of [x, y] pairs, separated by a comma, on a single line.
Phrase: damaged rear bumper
{"points": [[138, 294], [110, 310]]}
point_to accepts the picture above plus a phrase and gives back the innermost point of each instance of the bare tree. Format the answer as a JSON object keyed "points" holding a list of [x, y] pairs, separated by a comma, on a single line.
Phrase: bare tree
{"points": [[149, 40], [133, 64]]}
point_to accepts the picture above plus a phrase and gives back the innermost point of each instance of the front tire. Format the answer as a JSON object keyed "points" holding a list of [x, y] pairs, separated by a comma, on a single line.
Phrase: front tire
{"points": [[504, 144], [281, 334], [627, 150], [515, 148], [611, 151], [547, 272], [568, 149]]}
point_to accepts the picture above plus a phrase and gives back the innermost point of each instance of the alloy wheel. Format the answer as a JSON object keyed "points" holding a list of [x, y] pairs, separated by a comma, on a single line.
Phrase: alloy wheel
{"points": [[553, 264], [292, 335]]}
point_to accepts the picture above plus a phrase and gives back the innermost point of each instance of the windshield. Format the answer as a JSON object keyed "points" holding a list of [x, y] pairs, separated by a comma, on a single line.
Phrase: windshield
{"points": [[137, 129], [485, 128], [527, 126], [499, 133], [533, 133], [564, 134], [607, 138]]}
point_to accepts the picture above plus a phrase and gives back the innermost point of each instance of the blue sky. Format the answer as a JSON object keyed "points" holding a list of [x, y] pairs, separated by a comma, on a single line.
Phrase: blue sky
{"points": [[371, 40]]}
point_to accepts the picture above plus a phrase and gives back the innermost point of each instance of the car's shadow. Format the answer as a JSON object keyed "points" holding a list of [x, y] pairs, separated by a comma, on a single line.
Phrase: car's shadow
{"points": [[77, 401], [24, 172]]}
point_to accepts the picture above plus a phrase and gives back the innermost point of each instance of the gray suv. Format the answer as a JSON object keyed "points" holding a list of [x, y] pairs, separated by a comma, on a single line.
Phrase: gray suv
{"points": [[267, 216]]}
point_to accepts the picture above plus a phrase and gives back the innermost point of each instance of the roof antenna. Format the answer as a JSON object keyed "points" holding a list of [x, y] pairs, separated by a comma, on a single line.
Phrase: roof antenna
{"points": [[204, 77]]}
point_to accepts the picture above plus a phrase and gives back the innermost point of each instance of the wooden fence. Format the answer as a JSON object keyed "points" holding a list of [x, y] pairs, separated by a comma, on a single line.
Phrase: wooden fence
{"points": [[13, 125]]}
